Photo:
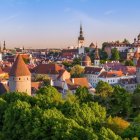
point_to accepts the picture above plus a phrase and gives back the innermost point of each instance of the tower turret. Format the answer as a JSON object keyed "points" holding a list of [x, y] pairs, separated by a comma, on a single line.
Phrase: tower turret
{"points": [[96, 57], [20, 77]]}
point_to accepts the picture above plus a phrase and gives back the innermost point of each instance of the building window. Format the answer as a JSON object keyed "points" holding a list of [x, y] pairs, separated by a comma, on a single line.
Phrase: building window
{"points": [[19, 78]]}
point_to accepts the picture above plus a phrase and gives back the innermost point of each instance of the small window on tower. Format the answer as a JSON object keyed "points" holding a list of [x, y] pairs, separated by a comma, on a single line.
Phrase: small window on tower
{"points": [[19, 78]]}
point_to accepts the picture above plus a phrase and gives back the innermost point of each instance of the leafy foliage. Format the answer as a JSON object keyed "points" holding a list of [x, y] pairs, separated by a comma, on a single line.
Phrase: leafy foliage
{"points": [[77, 71], [115, 54], [129, 63], [76, 116]]}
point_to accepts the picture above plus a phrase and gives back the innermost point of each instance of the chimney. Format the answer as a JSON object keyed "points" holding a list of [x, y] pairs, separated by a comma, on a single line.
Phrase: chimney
{"points": [[72, 80]]}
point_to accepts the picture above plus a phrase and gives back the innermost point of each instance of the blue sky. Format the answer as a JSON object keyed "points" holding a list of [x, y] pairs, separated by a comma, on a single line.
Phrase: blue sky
{"points": [[55, 23]]}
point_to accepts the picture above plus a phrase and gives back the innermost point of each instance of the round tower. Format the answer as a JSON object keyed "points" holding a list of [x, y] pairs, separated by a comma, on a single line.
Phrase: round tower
{"points": [[138, 71], [86, 61], [20, 77]]}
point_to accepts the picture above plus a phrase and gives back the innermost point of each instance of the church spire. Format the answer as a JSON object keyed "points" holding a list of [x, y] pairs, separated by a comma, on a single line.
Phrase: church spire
{"points": [[81, 37], [4, 46], [97, 57], [81, 30]]}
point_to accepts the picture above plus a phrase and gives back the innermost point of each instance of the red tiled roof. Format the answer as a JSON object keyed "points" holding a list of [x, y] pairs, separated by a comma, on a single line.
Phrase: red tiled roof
{"points": [[61, 72], [76, 82], [36, 85], [19, 68], [92, 70], [47, 69], [106, 74]]}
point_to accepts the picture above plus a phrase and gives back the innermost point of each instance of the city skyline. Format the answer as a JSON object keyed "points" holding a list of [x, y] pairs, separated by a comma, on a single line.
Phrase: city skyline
{"points": [[55, 24]]}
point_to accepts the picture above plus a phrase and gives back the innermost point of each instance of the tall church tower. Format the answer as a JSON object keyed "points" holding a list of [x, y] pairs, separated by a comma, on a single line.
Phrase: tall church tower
{"points": [[138, 71], [96, 57], [4, 46], [20, 77], [0, 53], [81, 39]]}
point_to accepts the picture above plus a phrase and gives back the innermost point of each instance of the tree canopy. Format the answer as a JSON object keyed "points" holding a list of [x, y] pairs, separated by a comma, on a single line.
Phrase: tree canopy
{"points": [[80, 116]]}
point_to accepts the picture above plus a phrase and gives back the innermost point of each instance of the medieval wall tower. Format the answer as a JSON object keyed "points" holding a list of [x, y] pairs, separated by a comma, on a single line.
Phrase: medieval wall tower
{"points": [[20, 77]]}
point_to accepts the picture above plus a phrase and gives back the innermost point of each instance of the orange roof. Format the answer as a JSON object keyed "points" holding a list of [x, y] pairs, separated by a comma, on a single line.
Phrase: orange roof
{"points": [[76, 82], [36, 85], [19, 68], [106, 74]]}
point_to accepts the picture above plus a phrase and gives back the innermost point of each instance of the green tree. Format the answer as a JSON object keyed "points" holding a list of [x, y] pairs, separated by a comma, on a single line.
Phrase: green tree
{"points": [[76, 61], [126, 41], [136, 101], [77, 71], [107, 134], [105, 44], [16, 121], [3, 107], [103, 55], [115, 54], [133, 130], [104, 89], [83, 95], [129, 63], [42, 77], [120, 102]]}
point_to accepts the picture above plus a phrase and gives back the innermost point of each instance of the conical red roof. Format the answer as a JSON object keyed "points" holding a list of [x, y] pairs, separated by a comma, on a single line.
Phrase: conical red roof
{"points": [[19, 68]]}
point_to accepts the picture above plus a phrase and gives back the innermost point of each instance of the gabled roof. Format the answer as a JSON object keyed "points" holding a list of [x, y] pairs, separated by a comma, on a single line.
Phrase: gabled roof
{"points": [[19, 68], [92, 70], [47, 69], [110, 74], [74, 83]]}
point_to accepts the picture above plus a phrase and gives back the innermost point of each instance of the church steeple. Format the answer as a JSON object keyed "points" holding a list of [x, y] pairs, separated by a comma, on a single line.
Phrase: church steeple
{"points": [[96, 57], [4, 46], [81, 30], [81, 37]]}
